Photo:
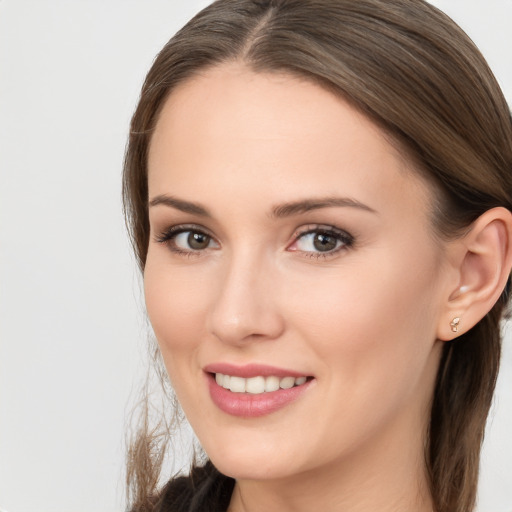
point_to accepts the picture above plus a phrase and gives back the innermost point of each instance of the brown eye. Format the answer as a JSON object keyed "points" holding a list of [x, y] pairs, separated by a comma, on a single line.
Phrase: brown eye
{"points": [[184, 239], [324, 242], [198, 241]]}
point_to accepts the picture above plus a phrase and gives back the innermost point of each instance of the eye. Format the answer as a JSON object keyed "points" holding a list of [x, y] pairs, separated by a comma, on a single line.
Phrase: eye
{"points": [[187, 240], [192, 240], [321, 241]]}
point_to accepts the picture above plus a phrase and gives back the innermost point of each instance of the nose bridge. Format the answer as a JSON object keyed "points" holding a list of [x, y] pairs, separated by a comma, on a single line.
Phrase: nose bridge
{"points": [[243, 306]]}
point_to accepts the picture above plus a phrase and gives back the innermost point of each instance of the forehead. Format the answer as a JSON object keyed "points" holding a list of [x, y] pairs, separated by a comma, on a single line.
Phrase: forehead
{"points": [[272, 136]]}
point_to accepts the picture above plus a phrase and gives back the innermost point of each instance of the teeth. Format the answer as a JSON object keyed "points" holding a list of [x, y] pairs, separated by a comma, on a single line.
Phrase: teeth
{"points": [[287, 382], [257, 385], [271, 384]]}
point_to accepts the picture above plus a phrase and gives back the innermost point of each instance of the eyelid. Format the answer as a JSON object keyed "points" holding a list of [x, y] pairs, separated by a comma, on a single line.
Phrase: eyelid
{"points": [[171, 231], [344, 236], [168, 236]]}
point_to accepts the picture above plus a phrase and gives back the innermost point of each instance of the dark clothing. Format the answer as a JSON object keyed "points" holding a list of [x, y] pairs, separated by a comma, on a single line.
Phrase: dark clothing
{"points": [[204, 490]]}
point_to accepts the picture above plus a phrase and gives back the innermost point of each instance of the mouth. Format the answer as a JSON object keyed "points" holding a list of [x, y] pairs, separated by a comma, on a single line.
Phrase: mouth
{"points": [[258, 385], [254, 390]]}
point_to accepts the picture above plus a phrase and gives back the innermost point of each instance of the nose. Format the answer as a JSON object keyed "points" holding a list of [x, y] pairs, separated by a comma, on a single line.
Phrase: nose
{"points": [[245, 306]]}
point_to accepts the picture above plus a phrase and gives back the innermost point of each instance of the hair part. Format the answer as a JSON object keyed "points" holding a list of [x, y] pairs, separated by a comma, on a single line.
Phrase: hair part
{"points": [[418, 76]]}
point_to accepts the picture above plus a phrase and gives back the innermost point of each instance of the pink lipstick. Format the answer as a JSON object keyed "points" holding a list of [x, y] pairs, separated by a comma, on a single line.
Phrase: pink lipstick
{"points": [[254, 390]]}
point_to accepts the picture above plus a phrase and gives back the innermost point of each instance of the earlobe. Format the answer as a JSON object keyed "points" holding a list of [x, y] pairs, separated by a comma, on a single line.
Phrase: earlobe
{"points": [[483, 263]]}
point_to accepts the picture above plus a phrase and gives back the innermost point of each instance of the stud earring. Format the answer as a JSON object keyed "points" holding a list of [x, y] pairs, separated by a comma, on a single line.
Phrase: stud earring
{"points": [[455, 324]]}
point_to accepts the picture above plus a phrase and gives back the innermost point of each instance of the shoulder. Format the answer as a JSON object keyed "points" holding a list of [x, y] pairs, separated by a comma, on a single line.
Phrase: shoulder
{"points": [[205, 489]]}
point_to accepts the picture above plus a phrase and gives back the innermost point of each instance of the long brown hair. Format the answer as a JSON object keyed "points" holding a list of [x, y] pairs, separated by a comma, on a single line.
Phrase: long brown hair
{"points": [[415, 73]]}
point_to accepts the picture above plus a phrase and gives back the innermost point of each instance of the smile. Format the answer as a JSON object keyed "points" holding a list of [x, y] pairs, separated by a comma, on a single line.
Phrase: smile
{"points": [[254, 390], [257, 385]]}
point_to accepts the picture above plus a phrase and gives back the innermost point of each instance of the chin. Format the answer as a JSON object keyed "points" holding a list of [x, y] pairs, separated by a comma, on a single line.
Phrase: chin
{"points": [[248, 469], [257, 464]]}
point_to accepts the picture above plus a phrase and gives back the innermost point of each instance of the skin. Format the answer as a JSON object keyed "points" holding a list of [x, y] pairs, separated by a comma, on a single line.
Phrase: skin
{"points": [[362, 319]]}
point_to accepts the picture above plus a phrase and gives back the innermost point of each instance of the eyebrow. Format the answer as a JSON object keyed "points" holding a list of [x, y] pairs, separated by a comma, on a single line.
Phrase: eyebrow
{"points": [[307, 205], [279, 211], [180, 204]]}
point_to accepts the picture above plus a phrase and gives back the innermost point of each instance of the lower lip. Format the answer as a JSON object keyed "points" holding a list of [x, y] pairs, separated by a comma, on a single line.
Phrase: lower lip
{"points": [[247, 405]]}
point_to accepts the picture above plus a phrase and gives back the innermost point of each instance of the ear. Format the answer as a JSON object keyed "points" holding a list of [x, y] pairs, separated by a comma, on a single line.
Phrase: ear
{"points": [[482, 261]]}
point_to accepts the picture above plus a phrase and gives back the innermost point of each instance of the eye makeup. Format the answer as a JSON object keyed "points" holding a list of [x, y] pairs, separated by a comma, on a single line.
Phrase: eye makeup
{"points": [[313, 240]]}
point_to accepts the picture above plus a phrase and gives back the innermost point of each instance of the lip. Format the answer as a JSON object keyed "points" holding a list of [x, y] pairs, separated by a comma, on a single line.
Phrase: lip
{"points": [[246, 405], [251, 370]]}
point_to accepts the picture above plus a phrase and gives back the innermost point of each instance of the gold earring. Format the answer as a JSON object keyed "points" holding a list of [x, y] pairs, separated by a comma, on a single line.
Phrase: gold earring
{"points": [[455, 324]]}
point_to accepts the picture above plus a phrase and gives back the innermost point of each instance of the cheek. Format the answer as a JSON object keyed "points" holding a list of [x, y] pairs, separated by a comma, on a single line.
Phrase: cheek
{"points": [[176, 303], [372, 327]]}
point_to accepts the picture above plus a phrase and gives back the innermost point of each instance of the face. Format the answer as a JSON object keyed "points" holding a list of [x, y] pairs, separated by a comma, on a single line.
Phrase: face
{"points": [[292, 278]]}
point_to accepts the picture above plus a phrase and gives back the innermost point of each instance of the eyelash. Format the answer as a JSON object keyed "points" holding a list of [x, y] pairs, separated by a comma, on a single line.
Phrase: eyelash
{"points": [[168, 237], [345, 238]]}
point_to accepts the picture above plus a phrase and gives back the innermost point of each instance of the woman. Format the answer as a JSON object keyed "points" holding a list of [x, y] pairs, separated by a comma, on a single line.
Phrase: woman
{"points": [[319, 197]]}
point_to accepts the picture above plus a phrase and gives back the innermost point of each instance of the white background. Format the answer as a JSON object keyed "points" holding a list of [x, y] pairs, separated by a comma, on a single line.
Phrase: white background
{"points": [[71, 321]]}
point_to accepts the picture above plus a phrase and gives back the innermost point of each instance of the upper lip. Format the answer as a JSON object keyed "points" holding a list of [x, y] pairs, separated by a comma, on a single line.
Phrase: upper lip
{"points": [[251, 370]]}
